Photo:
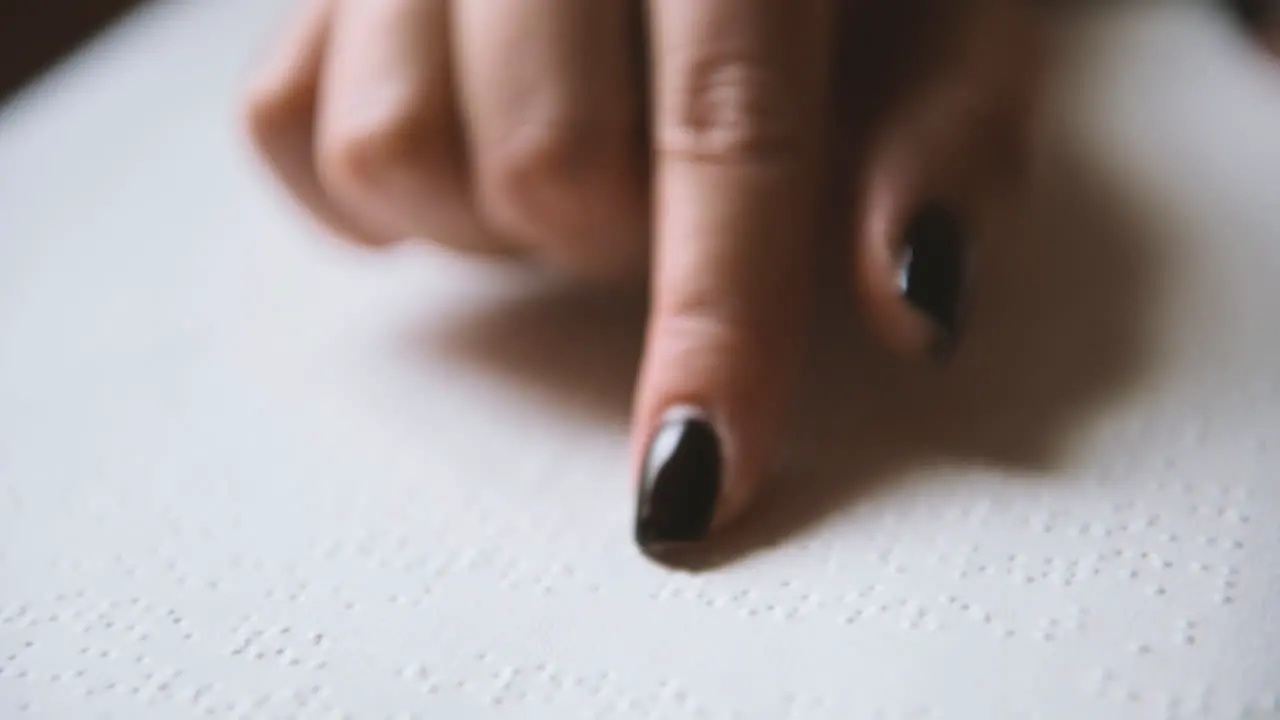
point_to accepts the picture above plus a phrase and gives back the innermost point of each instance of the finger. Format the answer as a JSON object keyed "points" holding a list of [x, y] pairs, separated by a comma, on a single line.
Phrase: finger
{"points": [[554, 109], [946, 174], [1262, 18], [389, 148], [739, 125], [280, 108]]}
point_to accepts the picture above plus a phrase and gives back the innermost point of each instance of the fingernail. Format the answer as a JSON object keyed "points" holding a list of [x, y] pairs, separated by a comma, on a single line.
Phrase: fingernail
{"points": [[1254, 13], [680, 482], [932, 273]]}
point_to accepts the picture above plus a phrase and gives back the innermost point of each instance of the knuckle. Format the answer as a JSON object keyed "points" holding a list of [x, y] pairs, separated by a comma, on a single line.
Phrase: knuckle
{"points": [[729, 109], [366, 156], [271, 112], [550, 175], [362, 156]]}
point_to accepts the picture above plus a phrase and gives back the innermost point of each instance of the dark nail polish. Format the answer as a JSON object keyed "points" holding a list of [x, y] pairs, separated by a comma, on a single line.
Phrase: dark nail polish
{"points": [[680, 483], [933, 272], [1254, 13]]}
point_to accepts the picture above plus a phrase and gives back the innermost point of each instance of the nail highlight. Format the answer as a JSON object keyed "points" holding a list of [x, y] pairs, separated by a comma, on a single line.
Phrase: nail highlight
{"points": [[680, 482], [933, 272]]}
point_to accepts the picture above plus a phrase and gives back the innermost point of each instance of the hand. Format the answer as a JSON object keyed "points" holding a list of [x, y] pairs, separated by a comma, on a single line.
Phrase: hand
{"points": [[692, 143]]}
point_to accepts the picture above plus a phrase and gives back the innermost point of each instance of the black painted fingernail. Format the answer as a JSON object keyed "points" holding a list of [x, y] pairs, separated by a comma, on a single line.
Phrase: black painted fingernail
{"points": [[1254, 13], [933, 272], [680, 482]]}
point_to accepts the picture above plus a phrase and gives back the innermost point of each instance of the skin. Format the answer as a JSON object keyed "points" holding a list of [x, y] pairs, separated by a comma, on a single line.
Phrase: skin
{"points": [[958, 132], [689, 143]]}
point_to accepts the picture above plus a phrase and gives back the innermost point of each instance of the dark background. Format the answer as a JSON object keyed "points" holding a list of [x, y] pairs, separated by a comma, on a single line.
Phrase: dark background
{"points": [[34, 34]]}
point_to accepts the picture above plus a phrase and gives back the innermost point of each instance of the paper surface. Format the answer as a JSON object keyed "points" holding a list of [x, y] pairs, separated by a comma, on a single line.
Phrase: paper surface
{"points": [[248, 472]]}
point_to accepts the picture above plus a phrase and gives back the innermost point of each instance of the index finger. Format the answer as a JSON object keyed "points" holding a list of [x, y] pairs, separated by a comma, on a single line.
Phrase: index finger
{"points": [[739, 124]]}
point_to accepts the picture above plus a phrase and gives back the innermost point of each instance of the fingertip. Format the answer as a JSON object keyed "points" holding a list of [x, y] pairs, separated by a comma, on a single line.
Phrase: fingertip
{"points": [[1254, 14], [680, 481], [911, 254], [1259, 18], [708, 425], [913, 279], [692, 485], [945, 177]]}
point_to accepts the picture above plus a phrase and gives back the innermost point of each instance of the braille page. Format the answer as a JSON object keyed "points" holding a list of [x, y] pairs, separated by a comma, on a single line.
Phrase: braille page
{"points": [[247, 471]]}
